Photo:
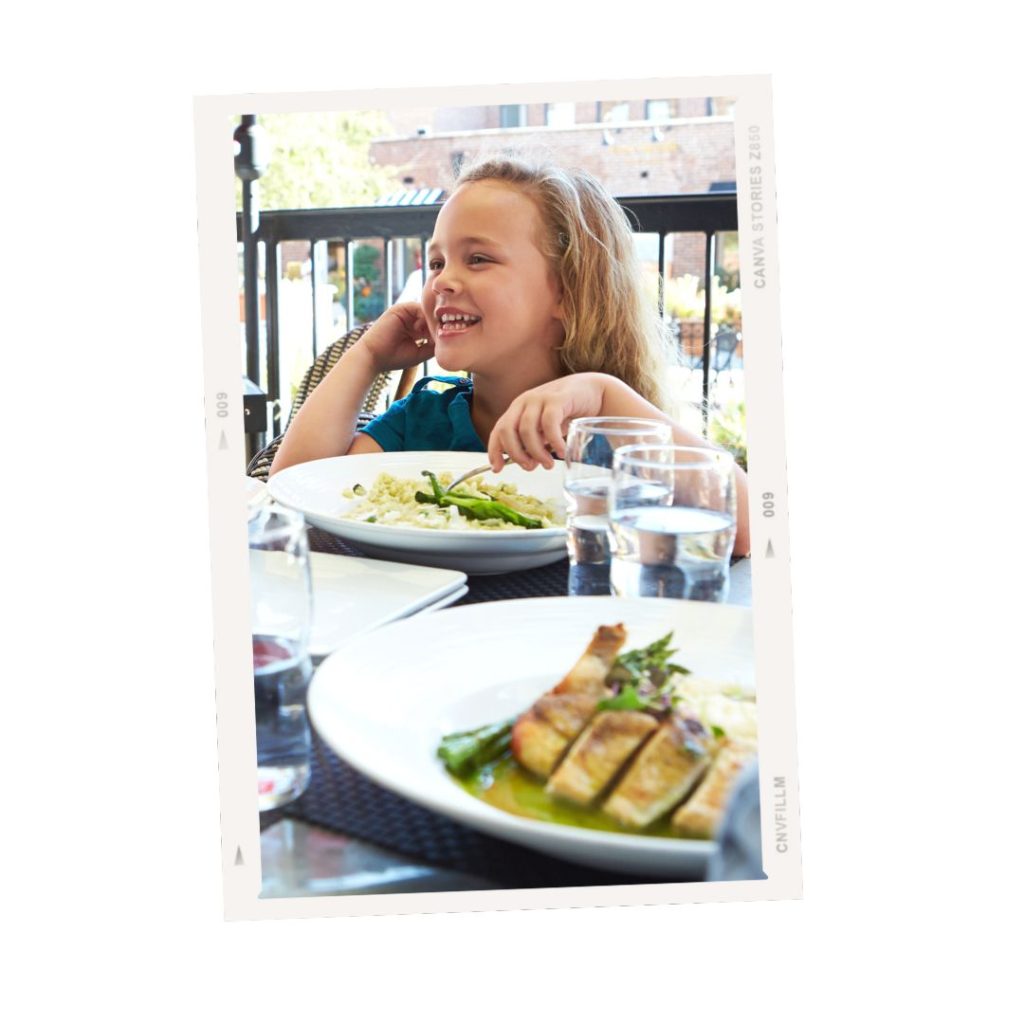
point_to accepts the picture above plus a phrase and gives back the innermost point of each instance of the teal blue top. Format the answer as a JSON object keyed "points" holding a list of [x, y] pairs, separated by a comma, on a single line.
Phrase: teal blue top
{"points": [[429, 421]]}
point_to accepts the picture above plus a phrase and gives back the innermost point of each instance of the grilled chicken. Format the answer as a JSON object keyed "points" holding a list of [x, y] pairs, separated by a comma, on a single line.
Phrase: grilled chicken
{"points": [[650, 763], [603, 747], [700, 816], [665, 770], [542, 735]]}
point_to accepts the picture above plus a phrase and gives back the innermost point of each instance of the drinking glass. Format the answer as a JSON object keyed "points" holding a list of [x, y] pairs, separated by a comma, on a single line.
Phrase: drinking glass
{"points": [[280, 610], [589, 448], [673, 520]]}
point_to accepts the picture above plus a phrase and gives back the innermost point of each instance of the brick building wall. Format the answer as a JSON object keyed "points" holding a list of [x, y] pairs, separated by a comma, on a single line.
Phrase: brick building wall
{"points": [[689, 156], [632, 159]]}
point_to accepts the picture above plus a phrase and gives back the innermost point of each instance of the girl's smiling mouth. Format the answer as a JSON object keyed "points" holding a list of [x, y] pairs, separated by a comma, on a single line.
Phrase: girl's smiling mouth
{"points": [[455, 323]]}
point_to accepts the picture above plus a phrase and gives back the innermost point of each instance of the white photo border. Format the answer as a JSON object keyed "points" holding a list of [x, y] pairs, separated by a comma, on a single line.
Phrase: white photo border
{"points": [[772, 612]]}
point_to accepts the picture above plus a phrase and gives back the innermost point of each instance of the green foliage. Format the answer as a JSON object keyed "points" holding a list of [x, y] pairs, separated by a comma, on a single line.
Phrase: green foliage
{"points": [[727, 427], [369, 297], [322, 160], [364, 262], [684, 299], [727, 262]]}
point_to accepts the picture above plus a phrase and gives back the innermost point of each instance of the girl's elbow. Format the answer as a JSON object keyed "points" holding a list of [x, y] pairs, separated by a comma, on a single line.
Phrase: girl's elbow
{"points": [[277, 465], [741, 549]]}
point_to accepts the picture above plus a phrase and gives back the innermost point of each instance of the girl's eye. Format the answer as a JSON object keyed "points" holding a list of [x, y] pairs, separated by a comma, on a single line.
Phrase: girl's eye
{"points": [[478, 258], [434, 265]]}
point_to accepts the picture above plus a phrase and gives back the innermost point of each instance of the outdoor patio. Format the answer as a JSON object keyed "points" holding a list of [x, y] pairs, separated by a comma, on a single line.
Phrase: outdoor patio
{"points": [[300, 311]]}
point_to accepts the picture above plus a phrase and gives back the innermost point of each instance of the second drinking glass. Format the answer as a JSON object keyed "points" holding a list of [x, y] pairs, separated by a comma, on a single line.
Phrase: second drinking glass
{"points": [[673, 518], [590, 447]]}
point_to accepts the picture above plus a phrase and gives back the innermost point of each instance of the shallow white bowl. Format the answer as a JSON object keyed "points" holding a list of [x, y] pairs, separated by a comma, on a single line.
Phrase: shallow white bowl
{"points": [[384, 701], [314, 488]]}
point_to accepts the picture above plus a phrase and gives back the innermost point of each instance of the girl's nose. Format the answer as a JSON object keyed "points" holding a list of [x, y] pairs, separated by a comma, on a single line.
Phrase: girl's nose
{"points": [[446, 280]]}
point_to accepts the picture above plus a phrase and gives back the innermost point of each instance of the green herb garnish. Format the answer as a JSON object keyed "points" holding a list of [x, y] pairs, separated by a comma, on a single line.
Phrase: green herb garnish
{"points": [[652, 658], [641, 679], [628, 699]]}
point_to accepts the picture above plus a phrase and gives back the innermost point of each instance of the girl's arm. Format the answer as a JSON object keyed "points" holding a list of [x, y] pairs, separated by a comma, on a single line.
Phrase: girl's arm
{"points": [[539, 419], [325, 425]]}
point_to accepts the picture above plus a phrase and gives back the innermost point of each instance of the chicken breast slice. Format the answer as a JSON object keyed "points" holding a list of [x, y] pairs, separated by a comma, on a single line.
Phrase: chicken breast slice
{"points": [[590, 673], [601, 750], [666, 769], [542, 734], [702, 813]]}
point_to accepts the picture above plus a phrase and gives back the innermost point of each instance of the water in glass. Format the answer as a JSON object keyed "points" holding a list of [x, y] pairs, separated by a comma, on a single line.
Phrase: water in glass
{"points": [[283, 742], [672, 551]]}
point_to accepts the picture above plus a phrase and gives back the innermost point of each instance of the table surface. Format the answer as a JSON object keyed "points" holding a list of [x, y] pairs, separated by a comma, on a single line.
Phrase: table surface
{"points": [[301, 857]]}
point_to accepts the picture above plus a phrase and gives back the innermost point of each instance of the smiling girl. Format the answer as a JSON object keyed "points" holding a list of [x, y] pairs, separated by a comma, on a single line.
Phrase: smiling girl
{"points": [[532, 287]]}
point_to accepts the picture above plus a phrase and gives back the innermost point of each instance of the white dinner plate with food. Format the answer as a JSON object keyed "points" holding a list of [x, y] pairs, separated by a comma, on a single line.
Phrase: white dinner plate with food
{"points": [[385, 701], [328, 490]]}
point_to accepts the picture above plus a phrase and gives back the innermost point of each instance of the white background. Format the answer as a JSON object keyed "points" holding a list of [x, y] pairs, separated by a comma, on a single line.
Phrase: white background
{"points": [[899, 229]]}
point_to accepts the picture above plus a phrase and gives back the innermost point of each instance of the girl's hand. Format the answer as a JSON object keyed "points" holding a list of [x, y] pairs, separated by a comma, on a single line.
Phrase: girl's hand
{"points": [[535, 424], [391, 341]]}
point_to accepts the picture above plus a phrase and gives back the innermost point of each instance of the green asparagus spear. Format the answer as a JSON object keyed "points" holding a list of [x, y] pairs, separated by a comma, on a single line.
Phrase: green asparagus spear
{"points": [[475, 508], [465, 752]]}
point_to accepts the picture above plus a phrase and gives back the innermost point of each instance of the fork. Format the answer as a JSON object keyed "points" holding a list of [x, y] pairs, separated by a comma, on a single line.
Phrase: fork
{"points": [[486, 468]]}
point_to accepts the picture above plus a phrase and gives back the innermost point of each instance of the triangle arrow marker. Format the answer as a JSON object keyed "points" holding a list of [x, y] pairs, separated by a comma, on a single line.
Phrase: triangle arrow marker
{"points": [[770, 553], [238, 858], [223, 440]]}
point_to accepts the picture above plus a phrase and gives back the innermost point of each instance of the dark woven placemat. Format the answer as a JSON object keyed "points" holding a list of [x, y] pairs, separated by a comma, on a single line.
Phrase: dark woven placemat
{"points": [[545, 581], [346, 801]]}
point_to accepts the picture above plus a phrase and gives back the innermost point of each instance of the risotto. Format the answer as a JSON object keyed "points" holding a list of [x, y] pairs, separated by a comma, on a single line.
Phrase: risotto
{"points": [[391, 501]]}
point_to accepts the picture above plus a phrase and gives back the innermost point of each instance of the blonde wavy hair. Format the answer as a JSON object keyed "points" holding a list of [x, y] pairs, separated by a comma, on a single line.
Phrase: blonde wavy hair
{"points": [[611, 324]]}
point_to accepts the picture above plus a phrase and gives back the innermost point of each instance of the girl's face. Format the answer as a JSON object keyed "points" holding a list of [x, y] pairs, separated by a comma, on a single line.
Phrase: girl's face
{"points": [[490, 297]]}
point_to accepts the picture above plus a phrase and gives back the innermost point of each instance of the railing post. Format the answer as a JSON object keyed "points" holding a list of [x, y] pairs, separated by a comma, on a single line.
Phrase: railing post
{"points": [[250, 163], [661, 274], [709, 267]]}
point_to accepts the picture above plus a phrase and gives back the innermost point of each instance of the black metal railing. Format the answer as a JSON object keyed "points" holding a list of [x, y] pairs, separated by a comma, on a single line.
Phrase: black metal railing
{"points": [[706, 213]]}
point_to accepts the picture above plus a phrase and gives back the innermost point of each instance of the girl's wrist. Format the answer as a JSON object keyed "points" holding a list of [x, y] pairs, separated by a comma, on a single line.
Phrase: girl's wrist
{"points": [[361, 358]]}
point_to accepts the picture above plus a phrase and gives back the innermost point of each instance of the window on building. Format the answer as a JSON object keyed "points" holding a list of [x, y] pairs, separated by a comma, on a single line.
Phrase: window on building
{"points": [[658, 110], [617, 110], [559, 115], [513, 115], [458, 158]]}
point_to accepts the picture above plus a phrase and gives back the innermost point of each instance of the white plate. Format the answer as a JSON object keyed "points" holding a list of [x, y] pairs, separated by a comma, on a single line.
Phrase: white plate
{"points": [[314, 488], [354, 595], [384, 702], [255, 493]]}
